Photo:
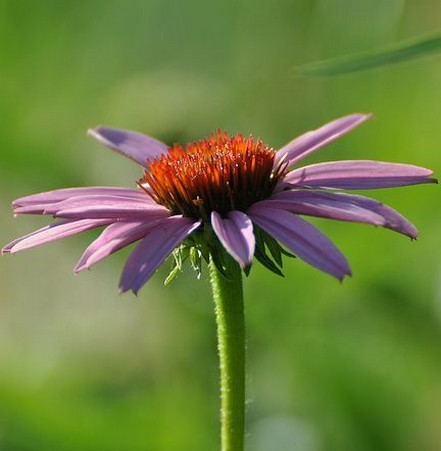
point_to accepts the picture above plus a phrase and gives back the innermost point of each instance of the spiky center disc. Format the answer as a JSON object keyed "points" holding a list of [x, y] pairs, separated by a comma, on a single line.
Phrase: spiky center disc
{"points": [[221, 173]]}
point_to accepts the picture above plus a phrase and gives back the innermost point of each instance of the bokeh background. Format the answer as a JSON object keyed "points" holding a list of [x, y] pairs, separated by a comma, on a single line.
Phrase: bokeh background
{"points": [[353, 366]]}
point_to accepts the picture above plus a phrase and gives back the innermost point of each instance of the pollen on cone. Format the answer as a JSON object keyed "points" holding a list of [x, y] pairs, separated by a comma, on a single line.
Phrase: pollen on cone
{"points": [[221, 173]]}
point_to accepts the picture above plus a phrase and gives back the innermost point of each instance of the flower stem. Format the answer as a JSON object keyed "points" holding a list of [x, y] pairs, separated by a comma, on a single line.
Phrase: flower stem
{"points": [[228, 299]]}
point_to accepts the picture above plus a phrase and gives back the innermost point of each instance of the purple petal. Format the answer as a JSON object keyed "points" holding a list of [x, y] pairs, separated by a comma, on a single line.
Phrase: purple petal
{"points": [[358, 174], [136, 146], [236, 235], [113, 238], [94, 207], [53, 232], [302, 238], [154, 249], [311, 141], [59, 195], [343, 207]]}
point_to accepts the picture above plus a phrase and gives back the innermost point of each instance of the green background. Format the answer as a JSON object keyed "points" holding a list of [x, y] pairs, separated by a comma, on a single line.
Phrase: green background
{"points": [[353, 366]]}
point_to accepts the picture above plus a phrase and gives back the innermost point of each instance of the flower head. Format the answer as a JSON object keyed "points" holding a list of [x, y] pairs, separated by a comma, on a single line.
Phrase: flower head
{"points": [[220, 194], [220, 174]]}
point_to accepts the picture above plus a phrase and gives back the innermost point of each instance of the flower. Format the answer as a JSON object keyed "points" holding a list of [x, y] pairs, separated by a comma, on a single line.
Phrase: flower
{"points": [[220, 194]]}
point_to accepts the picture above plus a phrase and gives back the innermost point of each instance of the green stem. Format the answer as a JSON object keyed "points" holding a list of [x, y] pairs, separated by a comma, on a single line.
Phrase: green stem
{"points": [[228, 299]]}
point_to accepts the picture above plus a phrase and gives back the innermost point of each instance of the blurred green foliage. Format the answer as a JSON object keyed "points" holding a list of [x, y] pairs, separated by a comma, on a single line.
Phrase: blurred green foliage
{"points": [[403, 51], [353, 366]]}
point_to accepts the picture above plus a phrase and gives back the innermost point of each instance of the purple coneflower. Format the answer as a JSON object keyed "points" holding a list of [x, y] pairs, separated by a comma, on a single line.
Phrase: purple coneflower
{"points": [[232, 191]]}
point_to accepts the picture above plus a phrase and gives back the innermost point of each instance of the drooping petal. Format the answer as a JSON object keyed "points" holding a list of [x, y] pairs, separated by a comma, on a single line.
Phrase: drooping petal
{"points": [[59, 195], [311, 141], [125, 213], [358, 174], [133, 145], [113, 238], [302, 238], [119, 208], [343, 207], [94, 207], [53, 232], [154, 249], [236, 235]]}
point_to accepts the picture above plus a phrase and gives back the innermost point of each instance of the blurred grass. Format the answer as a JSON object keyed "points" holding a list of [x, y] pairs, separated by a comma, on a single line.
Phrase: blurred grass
{"points": [[400, 52], [354, 366]]}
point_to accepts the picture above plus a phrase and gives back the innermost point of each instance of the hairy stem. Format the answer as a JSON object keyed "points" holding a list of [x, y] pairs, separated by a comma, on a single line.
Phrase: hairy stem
{"points": [[228, 299]]}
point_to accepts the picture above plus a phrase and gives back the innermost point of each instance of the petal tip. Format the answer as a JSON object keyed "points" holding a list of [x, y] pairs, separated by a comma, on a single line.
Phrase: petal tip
{"points": [[359, 118], [8, 248], [368, 115], [78, 269], [99, 133], [129, 285], [347, 273], [413, 235], [245, 266], [94, 132]]}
